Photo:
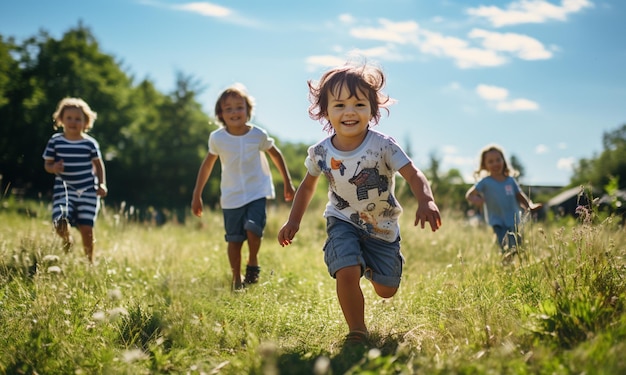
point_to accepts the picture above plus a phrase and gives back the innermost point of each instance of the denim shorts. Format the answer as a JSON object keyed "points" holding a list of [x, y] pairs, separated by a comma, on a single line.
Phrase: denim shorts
{"points": [[249, 217], [348, 245]]}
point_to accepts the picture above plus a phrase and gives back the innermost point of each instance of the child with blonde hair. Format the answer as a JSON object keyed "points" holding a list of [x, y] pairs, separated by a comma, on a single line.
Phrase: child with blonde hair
{"points": [[75, 159]]}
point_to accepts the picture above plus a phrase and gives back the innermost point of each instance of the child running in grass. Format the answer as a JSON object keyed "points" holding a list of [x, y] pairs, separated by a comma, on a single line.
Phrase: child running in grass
{"points": [[500, 196], [246, 181], [80, 179], [360, 165]]}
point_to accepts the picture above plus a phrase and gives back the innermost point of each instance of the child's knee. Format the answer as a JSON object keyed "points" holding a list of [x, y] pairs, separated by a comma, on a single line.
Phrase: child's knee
{"points": [[385, 291]]}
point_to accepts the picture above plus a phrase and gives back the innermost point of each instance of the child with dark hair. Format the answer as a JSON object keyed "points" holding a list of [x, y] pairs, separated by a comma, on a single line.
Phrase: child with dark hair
{"points": [[246, 181], [360, 165]]}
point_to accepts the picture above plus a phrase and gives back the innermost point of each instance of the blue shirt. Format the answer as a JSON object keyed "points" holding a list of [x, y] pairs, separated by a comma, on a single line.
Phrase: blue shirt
{"points": [[501, 204]]}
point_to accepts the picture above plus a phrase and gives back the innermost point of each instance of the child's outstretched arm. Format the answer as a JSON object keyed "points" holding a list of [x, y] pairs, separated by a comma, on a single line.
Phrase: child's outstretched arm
{"points": [[203, 176], [301, 201], [427, 210], [526, 203], [474, 197], [279, 162]]}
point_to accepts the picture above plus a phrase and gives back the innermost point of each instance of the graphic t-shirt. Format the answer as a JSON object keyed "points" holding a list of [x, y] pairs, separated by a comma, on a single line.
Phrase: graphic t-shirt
{"points": [[361, 182]]}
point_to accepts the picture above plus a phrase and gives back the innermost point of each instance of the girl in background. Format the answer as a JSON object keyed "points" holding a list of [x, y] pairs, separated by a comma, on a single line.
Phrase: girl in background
{"points": [[501, 198]]}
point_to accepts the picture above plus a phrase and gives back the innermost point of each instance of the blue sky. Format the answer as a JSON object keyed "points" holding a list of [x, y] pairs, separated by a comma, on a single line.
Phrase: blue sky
{"points": [[542, 78]]}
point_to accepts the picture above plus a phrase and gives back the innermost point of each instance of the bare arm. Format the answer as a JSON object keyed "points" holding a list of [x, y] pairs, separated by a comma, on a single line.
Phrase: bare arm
{"points": [[526, 203], [53, 167], [301, 201], [474, 197], [427, 210], [203, 176], [279, 162], [101, 175]]}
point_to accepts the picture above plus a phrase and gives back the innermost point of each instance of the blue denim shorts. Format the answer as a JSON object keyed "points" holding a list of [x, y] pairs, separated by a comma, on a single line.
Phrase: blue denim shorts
{"points": [[250, 217], [348, 245]]}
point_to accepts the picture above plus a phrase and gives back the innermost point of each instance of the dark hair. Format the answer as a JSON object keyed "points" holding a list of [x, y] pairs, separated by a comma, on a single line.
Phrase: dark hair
{"points": [[237, 90], [365, 79]]}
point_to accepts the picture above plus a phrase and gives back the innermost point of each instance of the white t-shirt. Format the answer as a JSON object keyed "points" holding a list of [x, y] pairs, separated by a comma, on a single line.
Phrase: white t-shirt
{"points": [[246, 174], [361, 182]]}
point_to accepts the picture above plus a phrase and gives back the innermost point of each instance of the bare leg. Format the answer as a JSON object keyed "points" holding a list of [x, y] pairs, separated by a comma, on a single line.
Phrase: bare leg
{"points": [[384, 291], [234, 257], [351, 297], [62, 228], [86, 233], [254, 245]]}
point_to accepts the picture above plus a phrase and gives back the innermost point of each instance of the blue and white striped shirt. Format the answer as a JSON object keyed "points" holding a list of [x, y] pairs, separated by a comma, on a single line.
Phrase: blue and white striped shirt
{"points": [[77, 159]]}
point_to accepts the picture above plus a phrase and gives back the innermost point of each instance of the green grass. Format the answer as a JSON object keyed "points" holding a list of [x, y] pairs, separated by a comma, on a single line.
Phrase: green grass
{"points": [[158, 300]]}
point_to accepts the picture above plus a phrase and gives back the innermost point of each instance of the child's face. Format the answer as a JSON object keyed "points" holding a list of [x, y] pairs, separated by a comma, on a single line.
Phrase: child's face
{"points": [[349, 116], [494, 163], [234, 111], [73, 120]]}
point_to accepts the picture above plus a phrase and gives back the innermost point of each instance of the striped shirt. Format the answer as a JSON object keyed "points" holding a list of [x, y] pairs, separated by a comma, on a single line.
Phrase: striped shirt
{"points": [[77, 159]]}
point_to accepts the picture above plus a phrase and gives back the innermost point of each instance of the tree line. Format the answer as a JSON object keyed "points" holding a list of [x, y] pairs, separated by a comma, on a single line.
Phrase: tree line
{"points": [[153, 142]]}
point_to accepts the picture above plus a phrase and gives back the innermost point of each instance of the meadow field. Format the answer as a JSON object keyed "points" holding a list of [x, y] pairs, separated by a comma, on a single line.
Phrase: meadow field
{"points": [[158, 301]]}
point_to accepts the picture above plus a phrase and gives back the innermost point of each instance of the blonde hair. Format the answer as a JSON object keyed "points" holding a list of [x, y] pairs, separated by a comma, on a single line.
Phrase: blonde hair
{"points": [[65, 103]]}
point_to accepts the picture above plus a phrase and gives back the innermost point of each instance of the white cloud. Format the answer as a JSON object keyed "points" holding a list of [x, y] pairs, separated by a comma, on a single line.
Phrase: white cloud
{"points": [[205, 9], [499, 95], [324, 61], [517, 105], [488, 92], [522, 46], [529, 11], [541, 149], [458, 49], [395, 32], [346, 18], [562, 146], [565, 163]]}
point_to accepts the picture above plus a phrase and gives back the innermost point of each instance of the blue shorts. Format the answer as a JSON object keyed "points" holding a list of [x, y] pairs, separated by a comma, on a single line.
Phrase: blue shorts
{"points": [[507, 237], [79, 207], [250, 217], [347, 245]]}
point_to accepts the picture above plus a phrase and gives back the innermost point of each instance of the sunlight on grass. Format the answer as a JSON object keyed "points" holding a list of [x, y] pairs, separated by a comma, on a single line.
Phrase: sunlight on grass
{"points": [[158, 300]]}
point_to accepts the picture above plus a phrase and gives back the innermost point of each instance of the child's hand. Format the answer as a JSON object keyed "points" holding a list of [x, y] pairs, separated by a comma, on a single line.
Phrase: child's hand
{"points": [[428, 213], [58, 167], [102, 190], [289, 192], [476, 200], [287, 233], [196, 206]]}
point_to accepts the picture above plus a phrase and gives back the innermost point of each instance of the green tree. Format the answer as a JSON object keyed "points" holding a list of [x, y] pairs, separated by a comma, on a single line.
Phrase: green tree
{"points": [[49, 70], [610, 164]]}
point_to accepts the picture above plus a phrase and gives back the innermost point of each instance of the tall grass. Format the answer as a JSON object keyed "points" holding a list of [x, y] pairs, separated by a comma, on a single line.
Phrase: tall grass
{"points": [[158, 300]]}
